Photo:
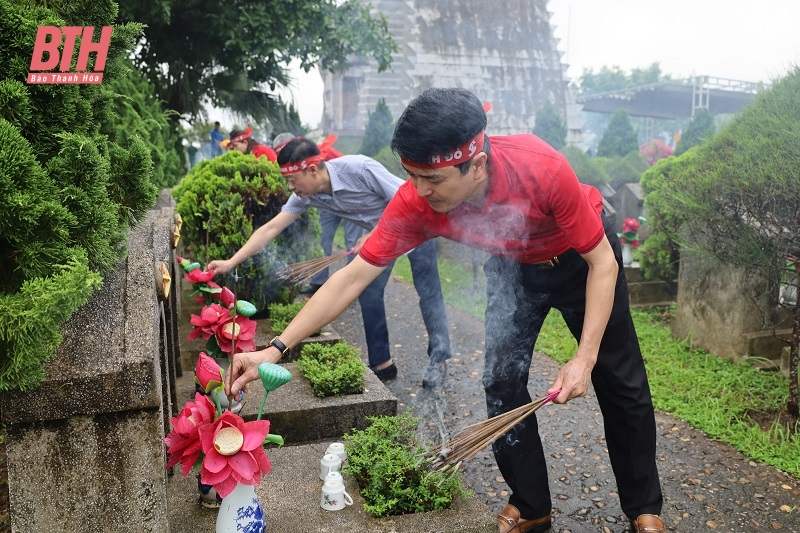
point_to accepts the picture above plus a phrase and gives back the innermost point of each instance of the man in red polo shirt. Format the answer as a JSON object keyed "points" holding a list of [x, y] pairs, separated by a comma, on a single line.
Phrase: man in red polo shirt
{"points": [[518, 199]]}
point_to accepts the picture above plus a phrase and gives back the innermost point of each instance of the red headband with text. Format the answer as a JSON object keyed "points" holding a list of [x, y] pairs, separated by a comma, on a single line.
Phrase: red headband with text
{"points": [[463, 153], [300, 166], [242, 136]]}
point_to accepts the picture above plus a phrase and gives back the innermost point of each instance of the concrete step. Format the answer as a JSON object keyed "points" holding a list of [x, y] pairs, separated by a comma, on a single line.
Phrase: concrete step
{"points": [[290, 496], [299, 416]]}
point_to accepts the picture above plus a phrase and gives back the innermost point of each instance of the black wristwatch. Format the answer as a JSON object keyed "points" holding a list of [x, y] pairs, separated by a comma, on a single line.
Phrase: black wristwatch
{"points": [[276, 342]]}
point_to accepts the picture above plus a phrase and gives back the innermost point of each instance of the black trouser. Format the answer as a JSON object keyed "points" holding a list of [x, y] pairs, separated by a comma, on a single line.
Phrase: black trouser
{"points": [[519, 298]]}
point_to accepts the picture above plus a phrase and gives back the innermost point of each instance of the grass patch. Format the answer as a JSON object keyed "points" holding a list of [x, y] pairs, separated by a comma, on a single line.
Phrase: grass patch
{"points": [[710, 393]]}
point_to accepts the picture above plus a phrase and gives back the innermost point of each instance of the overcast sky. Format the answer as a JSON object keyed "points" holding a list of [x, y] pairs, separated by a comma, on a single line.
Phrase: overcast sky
{"points": [[736, 39]]}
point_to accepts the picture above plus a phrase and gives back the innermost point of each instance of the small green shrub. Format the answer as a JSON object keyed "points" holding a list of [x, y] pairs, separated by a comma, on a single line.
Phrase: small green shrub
{"points": [[385, 461], [333, 369], [281, 314], [222, 201]]}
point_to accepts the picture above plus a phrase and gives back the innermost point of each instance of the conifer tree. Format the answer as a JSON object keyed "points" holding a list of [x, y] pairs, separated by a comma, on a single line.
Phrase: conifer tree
{"points": [[699, 129], [67, 194], [550, 127], [378, 133], [619, 139]]}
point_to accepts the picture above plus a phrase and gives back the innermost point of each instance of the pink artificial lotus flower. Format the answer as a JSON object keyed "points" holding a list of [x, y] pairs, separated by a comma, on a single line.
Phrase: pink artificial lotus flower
{"points": [[207, 321], [245, 333], [208, 373], [202, 299], [199, 276], [234, 452], [183, 442], [226, 297]]}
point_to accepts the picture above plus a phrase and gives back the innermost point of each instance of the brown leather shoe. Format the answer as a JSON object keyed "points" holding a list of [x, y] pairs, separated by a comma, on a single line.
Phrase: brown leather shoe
{"points": [[509, 521], [648, 523]]}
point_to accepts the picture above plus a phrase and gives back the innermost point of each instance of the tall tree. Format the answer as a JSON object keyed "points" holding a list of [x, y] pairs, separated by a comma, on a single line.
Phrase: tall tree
{"points": [[699, 129], [378, 133], [740, 198], [550, 126], [228, 53], [619, 139], [614, 79]]}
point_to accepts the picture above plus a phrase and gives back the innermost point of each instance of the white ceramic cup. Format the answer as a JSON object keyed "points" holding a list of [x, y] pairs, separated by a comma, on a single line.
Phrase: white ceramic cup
{"points": [[334, 497], [329, 463], [337, 448], [334, 476]]}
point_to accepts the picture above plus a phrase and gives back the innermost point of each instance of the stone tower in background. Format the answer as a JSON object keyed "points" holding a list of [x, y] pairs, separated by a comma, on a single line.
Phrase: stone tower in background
{"points": [[504, 52]]}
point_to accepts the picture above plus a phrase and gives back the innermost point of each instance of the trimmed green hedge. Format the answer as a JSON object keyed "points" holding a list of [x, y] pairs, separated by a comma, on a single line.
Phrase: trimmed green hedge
{"points": [[222, 200], [68, 194], [333, 369]]}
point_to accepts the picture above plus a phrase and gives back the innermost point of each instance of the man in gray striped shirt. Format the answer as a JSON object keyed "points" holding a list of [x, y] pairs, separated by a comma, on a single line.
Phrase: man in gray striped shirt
{"points": [[357, 188]]}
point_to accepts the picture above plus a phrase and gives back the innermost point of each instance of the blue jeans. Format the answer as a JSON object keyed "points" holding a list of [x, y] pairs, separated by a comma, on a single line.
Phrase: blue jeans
{"points": [[425, 271], [329, 224]]}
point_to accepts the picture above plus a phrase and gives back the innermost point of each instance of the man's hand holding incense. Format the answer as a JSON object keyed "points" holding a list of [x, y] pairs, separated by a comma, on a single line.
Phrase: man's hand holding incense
{"points": [[573, 379]]}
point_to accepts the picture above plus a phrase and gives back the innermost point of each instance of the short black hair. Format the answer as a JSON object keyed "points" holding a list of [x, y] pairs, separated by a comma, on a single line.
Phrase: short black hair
{"points": [[296, 150], [437, 121]]}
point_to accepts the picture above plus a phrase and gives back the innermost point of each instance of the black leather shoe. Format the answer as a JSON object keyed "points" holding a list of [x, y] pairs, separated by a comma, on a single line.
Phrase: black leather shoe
{"points": [[434, 375], [309, 289], [388, 373]]}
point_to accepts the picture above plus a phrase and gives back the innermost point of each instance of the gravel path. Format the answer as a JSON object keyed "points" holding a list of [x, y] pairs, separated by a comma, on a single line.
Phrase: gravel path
{"points": [[707, 485]]}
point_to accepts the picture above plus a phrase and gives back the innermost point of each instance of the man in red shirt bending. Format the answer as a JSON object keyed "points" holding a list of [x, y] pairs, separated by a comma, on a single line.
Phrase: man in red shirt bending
{"points": [[518, 199]]}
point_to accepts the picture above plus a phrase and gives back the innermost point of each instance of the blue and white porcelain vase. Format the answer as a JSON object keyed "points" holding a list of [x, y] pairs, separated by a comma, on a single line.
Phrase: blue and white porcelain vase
{"points": [[208, 496], [241, 512]]}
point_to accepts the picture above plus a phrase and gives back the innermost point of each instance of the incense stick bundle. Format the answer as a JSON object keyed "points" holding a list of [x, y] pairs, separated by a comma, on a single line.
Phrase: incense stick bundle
{"points": [[469, 441], [302, 272]]}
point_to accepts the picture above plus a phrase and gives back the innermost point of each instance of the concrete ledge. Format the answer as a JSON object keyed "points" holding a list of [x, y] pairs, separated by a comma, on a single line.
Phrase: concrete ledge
{"points": [[290, 497], [85, 450], [264, 334], [299, 416]]}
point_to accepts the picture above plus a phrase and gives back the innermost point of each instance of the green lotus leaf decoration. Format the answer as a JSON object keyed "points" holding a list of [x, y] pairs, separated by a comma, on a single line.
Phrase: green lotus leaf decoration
{"points": [[272, 376], [245, 308]]}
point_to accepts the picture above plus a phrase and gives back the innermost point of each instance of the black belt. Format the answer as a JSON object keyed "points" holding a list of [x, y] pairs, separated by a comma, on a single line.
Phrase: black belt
{"points": [[550, 263]]}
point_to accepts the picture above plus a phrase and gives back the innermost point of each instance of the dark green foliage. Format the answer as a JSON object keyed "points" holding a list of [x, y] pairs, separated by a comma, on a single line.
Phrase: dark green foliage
{"points": [[385, 461], [199, 51], [659, 255], [288, 121], [637, 162], [740, 197], [619, 170], [30, 318], [226, 198], [281, 314], [550, 127], [586, 168], [333, 369], [67, 194], [137, 114], [699, 129], [619, 139], [35, 226], [380, 128], [389, 159], [744, 182]]}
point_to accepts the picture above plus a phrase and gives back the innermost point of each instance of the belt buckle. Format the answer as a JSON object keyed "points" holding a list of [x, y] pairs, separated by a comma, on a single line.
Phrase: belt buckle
{"points": [[550, 263]]}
